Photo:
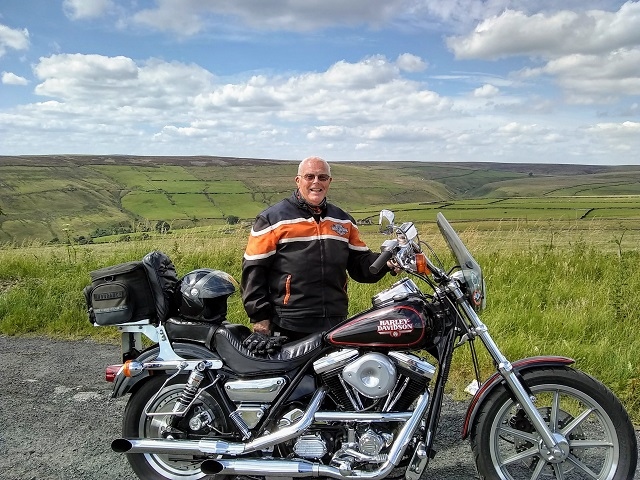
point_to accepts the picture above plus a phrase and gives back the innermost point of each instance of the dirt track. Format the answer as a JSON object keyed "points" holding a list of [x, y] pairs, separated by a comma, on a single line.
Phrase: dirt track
{"points": [[57, 422]]}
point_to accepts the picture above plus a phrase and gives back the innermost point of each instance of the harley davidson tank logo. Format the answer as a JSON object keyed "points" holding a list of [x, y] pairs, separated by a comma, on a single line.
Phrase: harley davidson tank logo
{"points": [[395, 327], [339, 229]]}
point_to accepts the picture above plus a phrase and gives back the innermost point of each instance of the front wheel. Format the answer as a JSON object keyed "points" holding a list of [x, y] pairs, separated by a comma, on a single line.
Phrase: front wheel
{"points": [[206, 415], [600, 436]]}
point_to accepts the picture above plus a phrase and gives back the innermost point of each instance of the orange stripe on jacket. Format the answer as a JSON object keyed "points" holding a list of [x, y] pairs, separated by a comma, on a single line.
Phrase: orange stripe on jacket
{"points": [[264, 242]]}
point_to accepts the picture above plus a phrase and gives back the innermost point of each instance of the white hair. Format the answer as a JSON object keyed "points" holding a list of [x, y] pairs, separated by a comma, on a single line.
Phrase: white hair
{"points": [[304, 162]]}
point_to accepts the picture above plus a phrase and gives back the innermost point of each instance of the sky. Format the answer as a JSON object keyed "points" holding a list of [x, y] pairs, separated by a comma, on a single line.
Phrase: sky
{"points": [[515, 81]]}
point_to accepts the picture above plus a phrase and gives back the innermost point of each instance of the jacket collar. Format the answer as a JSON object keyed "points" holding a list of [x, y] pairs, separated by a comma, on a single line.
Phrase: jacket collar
{"points": [[314, 210]]}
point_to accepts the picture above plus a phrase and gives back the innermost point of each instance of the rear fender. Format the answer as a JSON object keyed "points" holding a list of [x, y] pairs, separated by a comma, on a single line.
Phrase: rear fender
{"points": [[123, 385], [495, 380]]}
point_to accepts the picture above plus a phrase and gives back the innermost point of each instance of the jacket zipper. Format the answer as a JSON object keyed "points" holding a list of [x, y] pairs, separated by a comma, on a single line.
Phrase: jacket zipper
{"points": [[287, 290], [322, 267]]}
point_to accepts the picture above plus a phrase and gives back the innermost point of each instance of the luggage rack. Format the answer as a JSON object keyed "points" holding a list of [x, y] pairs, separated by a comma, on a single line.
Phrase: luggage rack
{"points": [[131, 337]]}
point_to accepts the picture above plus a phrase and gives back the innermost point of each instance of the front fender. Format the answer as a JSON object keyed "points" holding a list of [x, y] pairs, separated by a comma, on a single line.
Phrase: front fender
{"points": [[495, 380], [123, 385]]}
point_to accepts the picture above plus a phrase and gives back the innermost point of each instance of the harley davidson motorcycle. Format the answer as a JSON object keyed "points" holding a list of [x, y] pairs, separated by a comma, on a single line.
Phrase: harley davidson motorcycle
{"points": [[362, 400]]}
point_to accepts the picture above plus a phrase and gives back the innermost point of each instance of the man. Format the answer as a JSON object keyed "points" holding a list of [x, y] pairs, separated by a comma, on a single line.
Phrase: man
{"points": [[294, 270]]}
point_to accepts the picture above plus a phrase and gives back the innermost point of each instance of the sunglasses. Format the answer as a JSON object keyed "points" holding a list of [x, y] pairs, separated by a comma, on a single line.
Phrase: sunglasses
{"points": [[310, 177]]}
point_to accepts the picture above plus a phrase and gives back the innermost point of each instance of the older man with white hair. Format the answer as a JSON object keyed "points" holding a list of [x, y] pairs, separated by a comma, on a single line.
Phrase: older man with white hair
{"points": [[300, 254]]}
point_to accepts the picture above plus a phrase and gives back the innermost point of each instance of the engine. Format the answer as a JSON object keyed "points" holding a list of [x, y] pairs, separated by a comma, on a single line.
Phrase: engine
{"points": [[374, 381], [369, 383]]}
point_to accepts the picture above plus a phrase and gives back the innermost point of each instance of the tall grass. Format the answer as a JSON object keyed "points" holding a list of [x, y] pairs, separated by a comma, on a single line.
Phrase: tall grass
{"points": [[574, 299]]}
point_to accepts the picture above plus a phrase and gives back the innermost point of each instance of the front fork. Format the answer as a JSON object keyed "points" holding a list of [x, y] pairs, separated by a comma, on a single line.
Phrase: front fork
{"points": [[555, 443]]}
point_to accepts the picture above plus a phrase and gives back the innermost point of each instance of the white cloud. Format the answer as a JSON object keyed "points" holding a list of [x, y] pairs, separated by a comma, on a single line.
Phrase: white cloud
{"points": [[623, 137], [486, 91], [629, 130], [593, 55], [9, 78], [411, 63], [550, 35], [118, 82], [362, 102], [366, 91], [86, 9], [12, 39]]}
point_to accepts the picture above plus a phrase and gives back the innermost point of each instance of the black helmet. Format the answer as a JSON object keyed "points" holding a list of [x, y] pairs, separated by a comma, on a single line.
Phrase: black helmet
{"points": [[204, 294]]}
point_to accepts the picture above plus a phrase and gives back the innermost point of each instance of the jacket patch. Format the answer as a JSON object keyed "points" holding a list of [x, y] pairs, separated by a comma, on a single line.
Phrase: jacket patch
{"points": [[339, 229]]}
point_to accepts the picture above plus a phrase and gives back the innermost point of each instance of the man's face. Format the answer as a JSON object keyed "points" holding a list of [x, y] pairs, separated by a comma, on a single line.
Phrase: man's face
{"points": [[313, 182]]}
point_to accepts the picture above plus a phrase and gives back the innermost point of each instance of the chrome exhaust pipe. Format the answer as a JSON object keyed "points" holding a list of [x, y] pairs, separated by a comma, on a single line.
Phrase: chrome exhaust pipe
{"points": [[298, 468], [266, 468], [167, 446], [154, 445], [218, 447]]}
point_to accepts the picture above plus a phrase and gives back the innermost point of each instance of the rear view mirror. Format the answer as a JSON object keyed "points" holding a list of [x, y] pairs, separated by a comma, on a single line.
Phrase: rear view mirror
{"points": [[409, 231], [386, 221]]}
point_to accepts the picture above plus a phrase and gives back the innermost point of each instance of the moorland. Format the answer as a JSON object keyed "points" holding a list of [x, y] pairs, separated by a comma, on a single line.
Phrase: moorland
{"points": [[58, 198]]}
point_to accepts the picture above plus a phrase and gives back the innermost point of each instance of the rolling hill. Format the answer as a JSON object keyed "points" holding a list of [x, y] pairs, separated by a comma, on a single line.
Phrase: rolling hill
{"points": [[54, 198]]}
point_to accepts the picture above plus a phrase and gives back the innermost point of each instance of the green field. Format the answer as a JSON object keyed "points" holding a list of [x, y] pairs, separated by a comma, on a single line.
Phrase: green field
{"points": [[57, 198]]}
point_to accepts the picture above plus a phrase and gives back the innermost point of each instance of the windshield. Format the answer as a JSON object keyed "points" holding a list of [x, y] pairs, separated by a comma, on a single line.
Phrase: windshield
{"points": [[470, 268]]}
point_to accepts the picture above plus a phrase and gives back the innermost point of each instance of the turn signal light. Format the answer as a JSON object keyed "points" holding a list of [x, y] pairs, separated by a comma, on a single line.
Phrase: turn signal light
{"points": [[421, 264], [111, 372], [131, 368]]}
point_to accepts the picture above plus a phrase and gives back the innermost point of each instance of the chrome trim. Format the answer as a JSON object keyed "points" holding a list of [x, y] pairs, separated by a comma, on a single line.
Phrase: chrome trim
{"points": [[334, 360], [413, 363], [256, 391], [251, 414], [219, 447], [401, 289], [372, 375], [363, 417], [297, 468]]}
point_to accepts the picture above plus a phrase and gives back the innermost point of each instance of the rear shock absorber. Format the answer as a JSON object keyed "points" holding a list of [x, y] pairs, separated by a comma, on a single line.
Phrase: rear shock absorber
{"points": [[188, 395]]}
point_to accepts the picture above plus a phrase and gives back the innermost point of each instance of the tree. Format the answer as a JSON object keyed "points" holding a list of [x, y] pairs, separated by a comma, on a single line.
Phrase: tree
{"points": [[162, 226], [232, 219]]}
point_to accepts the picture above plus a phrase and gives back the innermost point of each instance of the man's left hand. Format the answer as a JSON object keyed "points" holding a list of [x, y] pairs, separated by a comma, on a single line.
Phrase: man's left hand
{"points": [[260, 344]]}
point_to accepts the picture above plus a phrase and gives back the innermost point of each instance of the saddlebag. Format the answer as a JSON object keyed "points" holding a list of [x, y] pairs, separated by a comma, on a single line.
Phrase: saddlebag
{"points": [[132, 291]]}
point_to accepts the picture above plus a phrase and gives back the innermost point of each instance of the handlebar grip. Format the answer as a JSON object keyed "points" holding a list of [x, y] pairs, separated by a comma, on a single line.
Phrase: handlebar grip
{"points": [[380, 262]]}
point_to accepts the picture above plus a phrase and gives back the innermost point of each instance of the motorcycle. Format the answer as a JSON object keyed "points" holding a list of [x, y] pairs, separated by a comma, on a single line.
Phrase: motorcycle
{"points": [[361, 400]]}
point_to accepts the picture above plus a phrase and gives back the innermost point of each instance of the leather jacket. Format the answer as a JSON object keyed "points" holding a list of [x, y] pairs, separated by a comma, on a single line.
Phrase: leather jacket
{"points": [[296, 262]]}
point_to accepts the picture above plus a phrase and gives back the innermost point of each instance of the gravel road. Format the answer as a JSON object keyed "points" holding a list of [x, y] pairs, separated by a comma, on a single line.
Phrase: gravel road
{"points": [[57, 421]]}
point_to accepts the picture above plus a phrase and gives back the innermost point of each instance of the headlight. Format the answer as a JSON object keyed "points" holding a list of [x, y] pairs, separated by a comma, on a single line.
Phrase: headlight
{"points": [[474, 289]]}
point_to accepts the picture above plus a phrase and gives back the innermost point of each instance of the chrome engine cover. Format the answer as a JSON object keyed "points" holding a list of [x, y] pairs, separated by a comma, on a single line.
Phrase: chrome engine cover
{"points": [[371, 443], [372, 375], [310, 446], [259, 390]]}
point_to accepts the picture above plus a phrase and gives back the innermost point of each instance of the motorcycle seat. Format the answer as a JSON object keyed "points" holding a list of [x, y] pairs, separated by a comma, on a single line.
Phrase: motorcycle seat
{"points": [[228, 339]]}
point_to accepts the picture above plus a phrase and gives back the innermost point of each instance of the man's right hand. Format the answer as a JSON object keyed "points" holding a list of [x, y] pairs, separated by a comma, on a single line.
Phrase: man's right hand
{"points": [[263, 327]]}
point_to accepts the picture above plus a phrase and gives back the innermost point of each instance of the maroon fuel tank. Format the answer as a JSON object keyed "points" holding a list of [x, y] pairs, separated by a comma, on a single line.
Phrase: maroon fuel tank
{"points": [[397, 324]]}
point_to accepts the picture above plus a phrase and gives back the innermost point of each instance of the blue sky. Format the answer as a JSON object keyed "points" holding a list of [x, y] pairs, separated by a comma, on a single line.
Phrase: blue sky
{"points": [[419, 80]]}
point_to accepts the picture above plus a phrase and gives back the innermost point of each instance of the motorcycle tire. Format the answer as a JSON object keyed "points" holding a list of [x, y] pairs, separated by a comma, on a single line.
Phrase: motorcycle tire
{"points": [[136, 424], [602, 442]]}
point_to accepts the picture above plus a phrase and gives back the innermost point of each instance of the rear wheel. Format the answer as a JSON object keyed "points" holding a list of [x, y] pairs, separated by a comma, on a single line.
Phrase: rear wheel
{"points": [[601, 443], [206, 416]]}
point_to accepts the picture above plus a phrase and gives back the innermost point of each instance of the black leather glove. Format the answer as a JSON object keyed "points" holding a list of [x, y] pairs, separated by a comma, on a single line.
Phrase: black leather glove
{"points": [[275, 344], [261, 344], [256, 342]]}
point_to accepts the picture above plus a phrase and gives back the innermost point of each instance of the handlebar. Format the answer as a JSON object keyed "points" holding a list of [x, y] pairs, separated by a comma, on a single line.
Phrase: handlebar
{"points": [[380, 262]]}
